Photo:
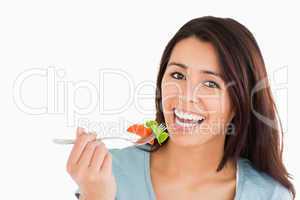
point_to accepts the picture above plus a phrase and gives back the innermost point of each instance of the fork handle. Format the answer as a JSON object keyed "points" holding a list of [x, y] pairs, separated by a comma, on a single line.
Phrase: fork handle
{"points": [[72, 141]]}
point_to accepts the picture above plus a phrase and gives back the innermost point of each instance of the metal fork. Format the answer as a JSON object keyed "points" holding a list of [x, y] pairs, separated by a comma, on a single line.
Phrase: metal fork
{"points": [[141, 141]]}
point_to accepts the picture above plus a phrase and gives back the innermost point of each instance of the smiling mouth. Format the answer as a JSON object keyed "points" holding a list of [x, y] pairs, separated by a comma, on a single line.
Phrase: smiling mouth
{"points": [[186, 123]]}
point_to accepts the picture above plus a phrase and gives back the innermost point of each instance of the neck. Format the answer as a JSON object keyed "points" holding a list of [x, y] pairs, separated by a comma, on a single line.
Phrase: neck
{"points": [[197, 161]]}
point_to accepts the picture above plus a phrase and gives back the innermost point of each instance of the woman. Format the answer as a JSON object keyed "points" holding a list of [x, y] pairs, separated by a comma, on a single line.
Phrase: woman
{"points": [[213, 94]]}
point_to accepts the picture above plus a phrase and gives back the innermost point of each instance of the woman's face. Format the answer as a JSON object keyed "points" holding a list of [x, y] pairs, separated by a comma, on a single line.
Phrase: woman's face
{"points": [[196, 103]]}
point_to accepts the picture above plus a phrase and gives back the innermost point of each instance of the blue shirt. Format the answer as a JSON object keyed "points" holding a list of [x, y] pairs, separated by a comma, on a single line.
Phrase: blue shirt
{"points": [[131, 168]]}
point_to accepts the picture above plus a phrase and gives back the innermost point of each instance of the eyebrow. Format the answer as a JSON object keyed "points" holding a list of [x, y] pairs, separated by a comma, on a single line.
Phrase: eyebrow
{"points": [[202, 71]]}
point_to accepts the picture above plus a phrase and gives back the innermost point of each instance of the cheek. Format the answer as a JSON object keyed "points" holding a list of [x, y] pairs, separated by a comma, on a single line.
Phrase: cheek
{"points": [[170, 92], [219, 108], [219, 114]]}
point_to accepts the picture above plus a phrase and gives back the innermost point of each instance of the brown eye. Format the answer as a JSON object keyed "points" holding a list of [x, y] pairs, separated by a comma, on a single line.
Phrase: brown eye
{"points": [[177, 75], [211, 84]]}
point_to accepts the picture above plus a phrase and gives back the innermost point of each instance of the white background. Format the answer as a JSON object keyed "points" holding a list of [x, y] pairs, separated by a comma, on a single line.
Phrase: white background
{"points": [[78, 38]]}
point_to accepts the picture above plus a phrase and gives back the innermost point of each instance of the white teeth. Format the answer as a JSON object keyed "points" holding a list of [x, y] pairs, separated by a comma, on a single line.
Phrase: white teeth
{"points": [[187, 116], [183, 115], [186, 125]]}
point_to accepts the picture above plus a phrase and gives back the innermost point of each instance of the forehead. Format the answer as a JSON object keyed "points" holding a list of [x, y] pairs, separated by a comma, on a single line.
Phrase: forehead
{"points": [[197, 54]]}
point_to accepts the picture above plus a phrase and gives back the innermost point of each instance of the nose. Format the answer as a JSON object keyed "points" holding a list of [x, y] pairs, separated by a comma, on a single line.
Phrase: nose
{"points": [[189, 94]]}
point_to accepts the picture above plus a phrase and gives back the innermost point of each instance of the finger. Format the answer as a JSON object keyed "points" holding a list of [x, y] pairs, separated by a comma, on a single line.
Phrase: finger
{"points": [[86, 156], [106, 167], [79, 146], [79, 131], [98, 157]]}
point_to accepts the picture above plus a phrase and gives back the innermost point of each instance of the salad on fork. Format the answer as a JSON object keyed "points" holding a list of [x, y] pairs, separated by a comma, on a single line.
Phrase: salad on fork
{"points": [[150, 130]]}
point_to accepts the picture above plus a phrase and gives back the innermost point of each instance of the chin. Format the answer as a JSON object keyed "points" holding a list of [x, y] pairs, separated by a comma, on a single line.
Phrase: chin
{"points": [[190, 140]]}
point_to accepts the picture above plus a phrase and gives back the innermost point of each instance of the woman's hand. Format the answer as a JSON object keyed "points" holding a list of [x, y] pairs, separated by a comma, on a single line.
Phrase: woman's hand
{"points": [[90, 166]]}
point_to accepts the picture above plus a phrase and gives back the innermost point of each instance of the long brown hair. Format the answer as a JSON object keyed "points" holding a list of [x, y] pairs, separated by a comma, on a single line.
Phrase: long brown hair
{"points": [[257, 125]]}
